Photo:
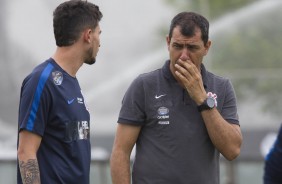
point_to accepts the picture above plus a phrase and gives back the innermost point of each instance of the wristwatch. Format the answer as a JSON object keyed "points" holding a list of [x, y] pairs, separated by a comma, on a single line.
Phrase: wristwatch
{"points": [[208, 104]]}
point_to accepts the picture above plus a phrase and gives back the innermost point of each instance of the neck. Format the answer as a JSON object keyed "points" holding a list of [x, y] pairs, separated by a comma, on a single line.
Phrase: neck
{"points": [[68, 59]]}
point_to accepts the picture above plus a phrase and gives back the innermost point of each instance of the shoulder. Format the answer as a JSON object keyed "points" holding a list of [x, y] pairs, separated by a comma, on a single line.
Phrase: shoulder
{"points": [[143, 82], [145, 77], [44, 67], [221, 86], [39, 74], [214, 77], [150, 75], [218, 81]]}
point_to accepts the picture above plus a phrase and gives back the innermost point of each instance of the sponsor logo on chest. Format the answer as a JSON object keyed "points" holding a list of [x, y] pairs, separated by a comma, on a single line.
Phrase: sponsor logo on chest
{"points": [[163, 116]]}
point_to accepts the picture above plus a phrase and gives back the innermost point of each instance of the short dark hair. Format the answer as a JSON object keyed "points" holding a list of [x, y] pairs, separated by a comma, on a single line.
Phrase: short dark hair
{"points": [[71, 18], [188, 21]]}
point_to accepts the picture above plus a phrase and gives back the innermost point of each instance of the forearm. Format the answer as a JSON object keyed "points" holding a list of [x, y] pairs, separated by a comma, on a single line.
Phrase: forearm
{"points": [[225, 136], [29, 169], [28, 164], [120, 168]]}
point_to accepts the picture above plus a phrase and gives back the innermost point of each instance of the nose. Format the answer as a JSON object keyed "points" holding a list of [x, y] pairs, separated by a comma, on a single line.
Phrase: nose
{"points": [[184, 54]]}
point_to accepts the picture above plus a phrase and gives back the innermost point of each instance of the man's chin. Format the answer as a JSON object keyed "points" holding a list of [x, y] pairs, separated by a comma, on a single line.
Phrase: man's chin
{"points": [[90, 62]]}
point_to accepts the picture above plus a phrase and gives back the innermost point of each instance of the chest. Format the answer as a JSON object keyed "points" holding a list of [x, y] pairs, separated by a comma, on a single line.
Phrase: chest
{"points": [[68, 103]]}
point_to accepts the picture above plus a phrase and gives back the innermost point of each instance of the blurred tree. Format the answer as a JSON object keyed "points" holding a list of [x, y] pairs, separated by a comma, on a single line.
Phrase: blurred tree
{"points": [[209, 8], [251, 56]]}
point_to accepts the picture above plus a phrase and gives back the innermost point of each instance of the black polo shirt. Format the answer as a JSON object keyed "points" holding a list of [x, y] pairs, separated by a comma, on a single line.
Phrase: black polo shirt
{"points": [[173, 145]]}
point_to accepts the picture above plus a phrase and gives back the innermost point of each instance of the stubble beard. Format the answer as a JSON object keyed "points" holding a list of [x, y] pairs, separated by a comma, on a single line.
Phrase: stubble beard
{"points": [[89, 59]]}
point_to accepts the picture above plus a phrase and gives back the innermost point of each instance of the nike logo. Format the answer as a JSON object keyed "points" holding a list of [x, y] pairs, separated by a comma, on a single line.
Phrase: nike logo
{"points": [[156, 97], [70, 101]]}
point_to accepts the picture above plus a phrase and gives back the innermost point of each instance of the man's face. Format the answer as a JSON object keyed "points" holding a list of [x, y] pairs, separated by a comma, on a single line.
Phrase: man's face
{"points": [[94, 48], [185, 48]]}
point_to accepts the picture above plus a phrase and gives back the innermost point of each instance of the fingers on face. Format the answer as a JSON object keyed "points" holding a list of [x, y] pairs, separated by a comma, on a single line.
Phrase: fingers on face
{"points": [[182, 73], [186, 68], [187, 71]]}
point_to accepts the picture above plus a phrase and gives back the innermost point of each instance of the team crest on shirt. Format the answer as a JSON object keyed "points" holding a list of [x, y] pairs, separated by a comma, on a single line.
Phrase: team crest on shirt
{"points": [[57, 77], [163, 116]]}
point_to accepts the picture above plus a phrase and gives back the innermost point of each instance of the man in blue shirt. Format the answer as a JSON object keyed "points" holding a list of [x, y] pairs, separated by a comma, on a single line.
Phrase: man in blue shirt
{"points": [[54, 122], [273, 162]]}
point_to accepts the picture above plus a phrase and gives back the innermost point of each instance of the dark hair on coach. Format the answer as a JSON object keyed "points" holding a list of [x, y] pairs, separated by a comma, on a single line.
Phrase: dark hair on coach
{"points": [[71, 18], [188, 21]]}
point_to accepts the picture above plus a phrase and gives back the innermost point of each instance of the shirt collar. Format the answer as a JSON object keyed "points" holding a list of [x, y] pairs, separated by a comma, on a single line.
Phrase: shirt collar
{"points": [[166, 71]]}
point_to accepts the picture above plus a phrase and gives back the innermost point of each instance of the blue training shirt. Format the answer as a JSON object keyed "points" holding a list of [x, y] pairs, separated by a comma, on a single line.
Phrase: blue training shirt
{"points": [[273, 162], [52, 106]]}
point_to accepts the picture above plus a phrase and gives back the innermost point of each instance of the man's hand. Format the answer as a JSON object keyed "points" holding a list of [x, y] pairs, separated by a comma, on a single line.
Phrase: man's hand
{"points": [[190, 77]]}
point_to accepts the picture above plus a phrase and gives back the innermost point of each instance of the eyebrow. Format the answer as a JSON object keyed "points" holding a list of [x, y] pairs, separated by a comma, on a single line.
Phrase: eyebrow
{"points": [[185, 45]]}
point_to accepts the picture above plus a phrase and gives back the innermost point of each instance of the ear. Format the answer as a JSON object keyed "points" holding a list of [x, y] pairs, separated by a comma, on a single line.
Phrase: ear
{"points": [[87, 35], [207, 47], [167, 42]]}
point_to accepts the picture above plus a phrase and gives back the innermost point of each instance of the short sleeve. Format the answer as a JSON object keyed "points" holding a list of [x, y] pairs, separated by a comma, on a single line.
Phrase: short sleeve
{"points": [[133, 104], [34, 103], [229, 109]]}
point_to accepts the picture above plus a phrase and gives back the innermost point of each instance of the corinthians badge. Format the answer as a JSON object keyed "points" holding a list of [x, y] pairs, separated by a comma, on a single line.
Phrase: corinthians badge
{"points": [[57, 77]]}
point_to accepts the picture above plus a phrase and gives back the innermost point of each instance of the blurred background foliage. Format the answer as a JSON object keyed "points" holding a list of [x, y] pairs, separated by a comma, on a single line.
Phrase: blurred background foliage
{"points": [[249, 53], [211, 9]]}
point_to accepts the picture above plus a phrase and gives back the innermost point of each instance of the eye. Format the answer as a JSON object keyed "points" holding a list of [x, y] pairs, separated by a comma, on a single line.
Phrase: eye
{"points": [[177, 46], [192, 47]]}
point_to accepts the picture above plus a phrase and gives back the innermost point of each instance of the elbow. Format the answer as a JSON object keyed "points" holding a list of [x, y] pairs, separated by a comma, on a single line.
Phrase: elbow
{"points": [[24, 154], [232, 155], [232, 152], [21, 154]]}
